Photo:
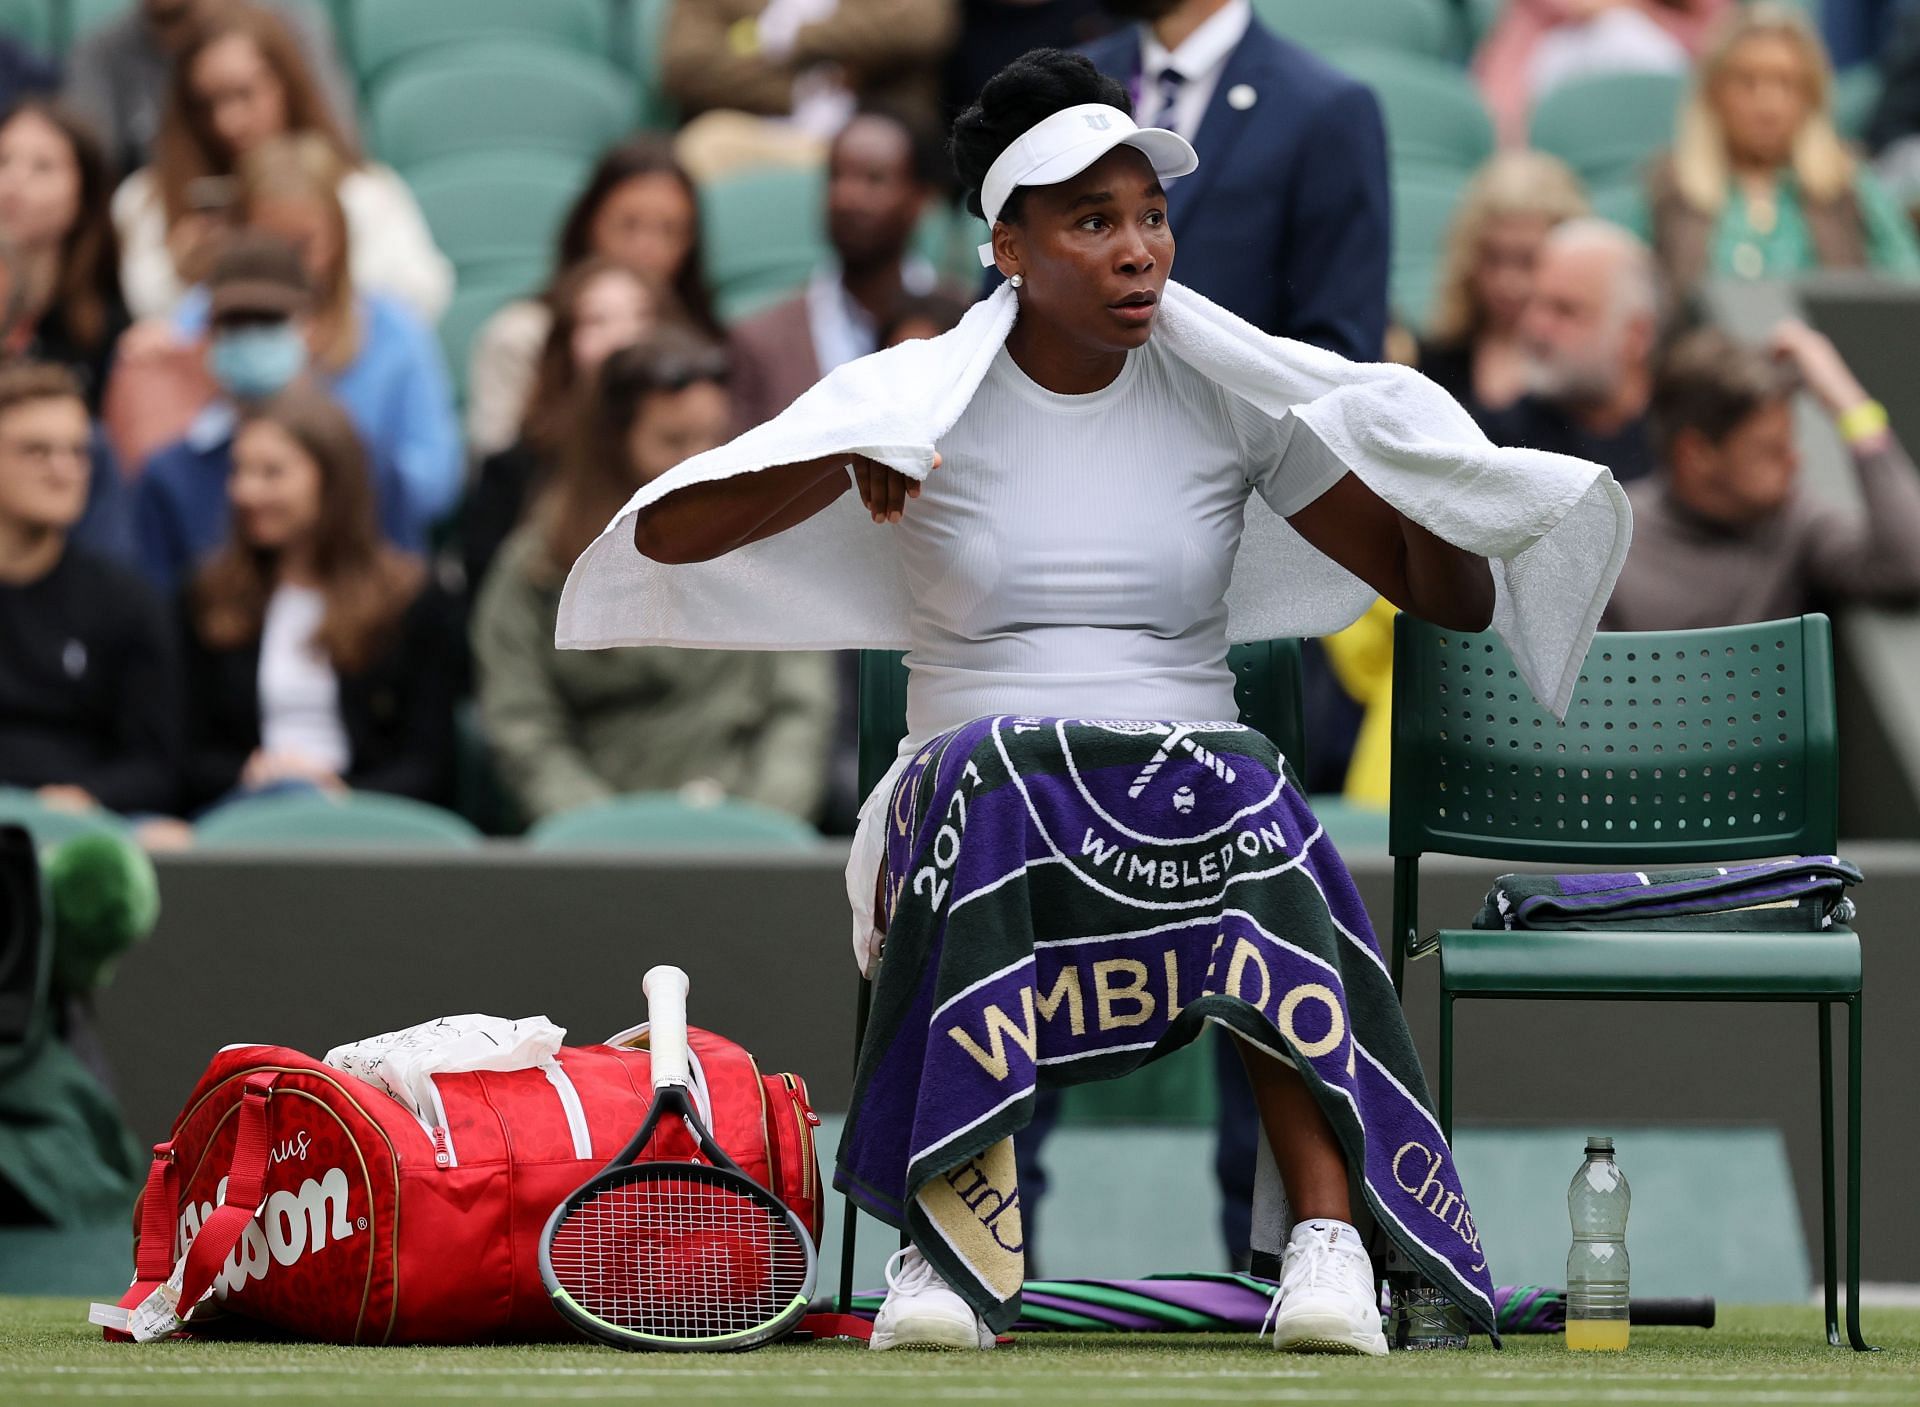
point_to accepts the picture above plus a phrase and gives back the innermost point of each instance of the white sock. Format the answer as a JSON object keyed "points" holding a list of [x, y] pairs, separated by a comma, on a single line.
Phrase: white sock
{"points": [[1342, 1233]]}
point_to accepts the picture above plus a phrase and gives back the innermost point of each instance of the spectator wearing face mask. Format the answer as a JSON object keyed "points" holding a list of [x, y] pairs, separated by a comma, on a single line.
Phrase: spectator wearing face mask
{"points": [[260, 310], [1725, 533], [1587, 336]]}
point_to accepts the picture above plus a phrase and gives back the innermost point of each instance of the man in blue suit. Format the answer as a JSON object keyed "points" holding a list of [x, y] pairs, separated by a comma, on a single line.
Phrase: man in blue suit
{"points": [[1286, 221], [1286, 224]]}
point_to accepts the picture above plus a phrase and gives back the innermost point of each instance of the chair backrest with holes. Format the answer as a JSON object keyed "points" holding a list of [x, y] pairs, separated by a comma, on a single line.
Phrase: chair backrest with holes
{"points": [[1678, 747]]}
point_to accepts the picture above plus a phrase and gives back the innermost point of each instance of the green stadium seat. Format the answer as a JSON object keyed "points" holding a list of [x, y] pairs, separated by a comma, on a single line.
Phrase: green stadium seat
{"points": [[1680, 748], [1855, 92], [669, 821], [361, 819], [82, 17], [493, 97], [646, 30], [51, 827], [489, 210], [1608, 126], [478, 298], [31, 22], [764, 231], [384, 31], [1624, 202], [1423, 206], [1420, 26], [1435, 118]]}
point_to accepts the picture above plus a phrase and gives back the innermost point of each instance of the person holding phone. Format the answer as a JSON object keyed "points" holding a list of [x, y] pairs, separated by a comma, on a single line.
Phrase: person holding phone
{"points": [[239, 82]]}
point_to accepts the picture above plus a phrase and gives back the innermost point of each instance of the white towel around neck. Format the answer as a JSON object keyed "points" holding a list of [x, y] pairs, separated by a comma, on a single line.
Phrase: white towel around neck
{"points": [[1556, 528]]}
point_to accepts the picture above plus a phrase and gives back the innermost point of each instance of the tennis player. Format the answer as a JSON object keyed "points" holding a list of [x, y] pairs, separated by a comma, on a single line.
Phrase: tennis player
{"points": [[1068, 558]]}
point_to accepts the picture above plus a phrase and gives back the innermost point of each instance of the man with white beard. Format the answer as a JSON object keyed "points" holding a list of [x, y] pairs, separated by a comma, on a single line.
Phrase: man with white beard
{"points": [[1589, 332]]}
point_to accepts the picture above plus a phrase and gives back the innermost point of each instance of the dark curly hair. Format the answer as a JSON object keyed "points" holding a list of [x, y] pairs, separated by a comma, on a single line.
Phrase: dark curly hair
{"points": [[1032, 88]]}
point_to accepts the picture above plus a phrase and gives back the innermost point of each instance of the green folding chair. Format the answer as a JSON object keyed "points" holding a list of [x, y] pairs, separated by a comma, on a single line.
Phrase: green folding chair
{"points": [[494, 210], [1435, 118], [763, 235], [1680, 747], [1420, 26], [668, 821], [494, 96], [383, 31], [1266, 685], [1608, 126], [358, 820], [645, 37]]}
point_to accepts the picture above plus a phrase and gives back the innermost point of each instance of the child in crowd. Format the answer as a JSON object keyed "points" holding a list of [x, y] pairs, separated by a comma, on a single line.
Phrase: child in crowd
{"points": [[639, 208], [90, 709], [571, 727], [593, 309], [318, 655], [261, 320]]}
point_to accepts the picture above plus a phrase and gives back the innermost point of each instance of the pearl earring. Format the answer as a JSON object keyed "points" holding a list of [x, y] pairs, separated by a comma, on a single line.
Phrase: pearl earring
{"points": [[1018, 281]]}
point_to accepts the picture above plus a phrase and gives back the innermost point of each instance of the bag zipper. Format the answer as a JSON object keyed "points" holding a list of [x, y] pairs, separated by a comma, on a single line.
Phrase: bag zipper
{"points": [[806, 1119], [576, 1113]]}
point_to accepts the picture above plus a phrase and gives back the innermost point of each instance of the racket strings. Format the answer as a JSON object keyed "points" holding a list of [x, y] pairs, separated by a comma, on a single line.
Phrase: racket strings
{"points": [[679, 1257]]}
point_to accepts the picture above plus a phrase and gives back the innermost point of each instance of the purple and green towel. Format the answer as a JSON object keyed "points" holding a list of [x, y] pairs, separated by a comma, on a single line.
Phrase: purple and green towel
{"points": [[1067, 899], [1793, 895]]}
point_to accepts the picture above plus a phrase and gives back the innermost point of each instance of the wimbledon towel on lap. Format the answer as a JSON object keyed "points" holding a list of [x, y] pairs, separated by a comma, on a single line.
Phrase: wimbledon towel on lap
{"points": [[1787, 895], [1068, 900], [1556, 528]]}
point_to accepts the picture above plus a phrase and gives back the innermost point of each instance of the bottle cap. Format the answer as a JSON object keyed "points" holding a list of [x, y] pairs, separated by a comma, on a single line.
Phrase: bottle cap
{"points": [[1597, 1144]]}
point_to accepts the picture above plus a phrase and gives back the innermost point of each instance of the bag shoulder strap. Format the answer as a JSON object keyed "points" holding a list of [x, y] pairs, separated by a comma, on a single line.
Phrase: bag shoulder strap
{"points": [[217, 1239]]}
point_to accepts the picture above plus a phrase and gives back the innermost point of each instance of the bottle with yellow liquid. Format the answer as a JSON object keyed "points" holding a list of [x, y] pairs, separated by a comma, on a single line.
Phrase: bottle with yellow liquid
{"points": [[1597, 1204]]}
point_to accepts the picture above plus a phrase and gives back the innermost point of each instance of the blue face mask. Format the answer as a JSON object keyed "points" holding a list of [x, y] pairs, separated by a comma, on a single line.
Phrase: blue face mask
{"points": [[252, 363]]}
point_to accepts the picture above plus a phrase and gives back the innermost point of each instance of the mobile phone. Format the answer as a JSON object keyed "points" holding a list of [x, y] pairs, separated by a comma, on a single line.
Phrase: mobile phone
{"points": [[212, 195]]}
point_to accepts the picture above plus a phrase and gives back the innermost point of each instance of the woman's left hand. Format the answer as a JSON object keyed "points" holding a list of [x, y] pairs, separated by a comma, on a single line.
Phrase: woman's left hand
{"points": [[265, 768], [884, 491]]}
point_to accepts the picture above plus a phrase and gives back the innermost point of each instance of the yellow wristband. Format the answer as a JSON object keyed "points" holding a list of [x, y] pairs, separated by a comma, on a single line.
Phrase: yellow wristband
{"points": [[743, 37], [1863, 422]]}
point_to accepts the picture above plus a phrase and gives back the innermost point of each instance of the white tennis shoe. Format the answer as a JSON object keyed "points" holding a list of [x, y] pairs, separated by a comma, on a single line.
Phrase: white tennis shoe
{"points": [[922, 1311], [1327, 1302]]}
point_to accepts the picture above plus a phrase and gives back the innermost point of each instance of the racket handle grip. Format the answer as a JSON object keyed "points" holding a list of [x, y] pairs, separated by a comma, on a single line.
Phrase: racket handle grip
{"points": [[666, 992]]}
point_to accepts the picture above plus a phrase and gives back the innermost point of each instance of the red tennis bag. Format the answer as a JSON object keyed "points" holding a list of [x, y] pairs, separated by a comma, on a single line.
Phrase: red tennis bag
{"points": [[316, 1203]]}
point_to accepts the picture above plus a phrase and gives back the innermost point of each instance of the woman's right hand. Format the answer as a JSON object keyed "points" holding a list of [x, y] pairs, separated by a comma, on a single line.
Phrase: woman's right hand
{"points": [[193, 242], [884, 491]]}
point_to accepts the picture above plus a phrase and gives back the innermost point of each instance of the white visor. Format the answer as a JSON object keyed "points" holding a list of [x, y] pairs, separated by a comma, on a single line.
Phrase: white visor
{"points": [[1067, 143]]}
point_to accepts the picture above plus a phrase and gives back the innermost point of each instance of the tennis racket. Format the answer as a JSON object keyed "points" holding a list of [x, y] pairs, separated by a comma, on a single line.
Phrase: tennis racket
{"points": [[682, 1256]]}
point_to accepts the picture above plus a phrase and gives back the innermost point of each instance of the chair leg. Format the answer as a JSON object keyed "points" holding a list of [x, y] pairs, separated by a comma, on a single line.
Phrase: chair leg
{"points": [[1854, 1073], [850, 1214], [1446, 1066], [1829, 1225]]}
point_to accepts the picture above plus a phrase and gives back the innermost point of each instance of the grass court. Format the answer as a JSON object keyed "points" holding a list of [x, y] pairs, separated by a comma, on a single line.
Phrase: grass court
{"points": [[48, 1353]]}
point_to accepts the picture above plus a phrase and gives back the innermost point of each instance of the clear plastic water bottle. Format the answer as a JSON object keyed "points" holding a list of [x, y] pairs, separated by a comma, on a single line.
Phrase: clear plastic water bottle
{"points": [[1597, 1269]]}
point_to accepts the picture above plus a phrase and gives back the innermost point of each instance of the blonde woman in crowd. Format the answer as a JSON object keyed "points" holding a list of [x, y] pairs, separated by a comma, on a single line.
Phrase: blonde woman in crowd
{"points": [[239, 82], [1472, 346], [1759, 183]]}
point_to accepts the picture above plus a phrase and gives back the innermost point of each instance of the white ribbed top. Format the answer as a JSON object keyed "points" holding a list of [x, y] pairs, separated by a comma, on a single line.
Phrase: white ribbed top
{"points": [[1070, 557]]}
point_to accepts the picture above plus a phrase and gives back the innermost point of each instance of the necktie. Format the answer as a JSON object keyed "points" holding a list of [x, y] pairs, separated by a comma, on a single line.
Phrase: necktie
{"points": [[1169, 84]]}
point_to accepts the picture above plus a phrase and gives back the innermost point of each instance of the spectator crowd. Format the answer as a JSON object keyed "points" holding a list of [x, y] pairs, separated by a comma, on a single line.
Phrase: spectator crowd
{"points": [[283, 509]]}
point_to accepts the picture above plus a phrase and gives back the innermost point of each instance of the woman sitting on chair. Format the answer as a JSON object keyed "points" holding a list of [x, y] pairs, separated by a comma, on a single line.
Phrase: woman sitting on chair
{"points": [[1072, 870]]}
